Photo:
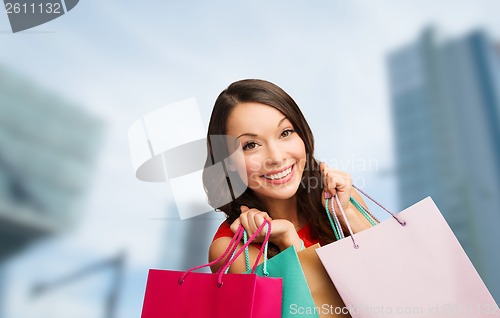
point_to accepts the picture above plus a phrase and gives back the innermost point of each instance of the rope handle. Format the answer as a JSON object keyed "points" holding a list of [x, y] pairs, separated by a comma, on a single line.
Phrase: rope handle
{"points": [[266, 224], [233, 251], [355, 245], [402, 223], [230, 249], [364, 211], [334, 221], [247, 257], [346, 221]]}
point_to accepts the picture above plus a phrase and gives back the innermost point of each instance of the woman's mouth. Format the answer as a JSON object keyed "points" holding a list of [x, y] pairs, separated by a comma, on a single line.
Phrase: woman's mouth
{"points": [[280, 177]]}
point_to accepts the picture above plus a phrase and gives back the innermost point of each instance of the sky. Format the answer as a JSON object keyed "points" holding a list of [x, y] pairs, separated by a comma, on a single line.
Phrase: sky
{"points": [[120, 60]]}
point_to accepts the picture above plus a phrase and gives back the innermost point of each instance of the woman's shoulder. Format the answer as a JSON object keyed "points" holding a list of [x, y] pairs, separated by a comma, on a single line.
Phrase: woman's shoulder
{"points": [[224, 230]]}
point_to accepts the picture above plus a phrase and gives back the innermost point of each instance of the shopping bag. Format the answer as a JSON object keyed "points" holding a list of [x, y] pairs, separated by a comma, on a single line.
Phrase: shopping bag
{"points": [[328, 302], [219, 295], [326, 298], [297, 300], [410, 265], [307, 289]]}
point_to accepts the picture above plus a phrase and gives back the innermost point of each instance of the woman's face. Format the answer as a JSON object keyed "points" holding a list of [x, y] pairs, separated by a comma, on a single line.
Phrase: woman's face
{"points": [[274, 156]]}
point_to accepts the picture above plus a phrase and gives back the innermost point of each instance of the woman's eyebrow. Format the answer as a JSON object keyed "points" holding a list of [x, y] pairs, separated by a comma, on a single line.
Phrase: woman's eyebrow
{"points": [[255, 135], [247, 134]]}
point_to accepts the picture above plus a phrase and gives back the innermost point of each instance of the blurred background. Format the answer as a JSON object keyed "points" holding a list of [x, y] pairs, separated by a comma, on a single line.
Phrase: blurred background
{"points": [[403, 95]]}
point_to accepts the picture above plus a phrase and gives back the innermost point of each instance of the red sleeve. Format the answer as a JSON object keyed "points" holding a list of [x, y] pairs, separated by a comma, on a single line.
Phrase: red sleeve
{"points": [[224, 230]]}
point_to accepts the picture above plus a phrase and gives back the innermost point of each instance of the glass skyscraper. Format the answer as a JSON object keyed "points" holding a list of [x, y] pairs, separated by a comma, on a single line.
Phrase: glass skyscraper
{"points": [[445, 96], [47, 152]]}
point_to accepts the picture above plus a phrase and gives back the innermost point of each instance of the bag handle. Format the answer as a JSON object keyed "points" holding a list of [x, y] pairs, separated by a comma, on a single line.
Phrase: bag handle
{"points": [[267, 225], [334, 221], [402, 223], [366, 213], [247, 257], [233, 251], [355, 245], [230, 248]]}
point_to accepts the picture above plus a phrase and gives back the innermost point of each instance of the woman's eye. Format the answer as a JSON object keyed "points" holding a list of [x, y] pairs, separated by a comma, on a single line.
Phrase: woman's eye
{"points": [[250, 145], [287, 132]]}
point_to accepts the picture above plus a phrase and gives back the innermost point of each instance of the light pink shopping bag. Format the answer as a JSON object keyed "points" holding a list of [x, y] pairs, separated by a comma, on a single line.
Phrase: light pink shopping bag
{"points": [[411, 265]]}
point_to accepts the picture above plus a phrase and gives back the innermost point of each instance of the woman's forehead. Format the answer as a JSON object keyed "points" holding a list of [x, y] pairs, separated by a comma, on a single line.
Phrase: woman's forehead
{"points": [[252, 116]]}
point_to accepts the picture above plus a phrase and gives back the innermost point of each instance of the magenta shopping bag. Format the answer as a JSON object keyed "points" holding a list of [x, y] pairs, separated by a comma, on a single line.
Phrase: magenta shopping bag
{"points": [[411, 265], [219, 295]]}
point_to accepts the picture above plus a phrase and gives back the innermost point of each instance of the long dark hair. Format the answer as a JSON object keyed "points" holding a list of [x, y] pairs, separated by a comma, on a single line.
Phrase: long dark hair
{"points": [[218, 185]]}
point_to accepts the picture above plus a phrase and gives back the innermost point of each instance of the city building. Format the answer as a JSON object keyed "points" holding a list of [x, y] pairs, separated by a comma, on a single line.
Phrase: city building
{"points": [[445, 101], [48, 148], [187, 241]]}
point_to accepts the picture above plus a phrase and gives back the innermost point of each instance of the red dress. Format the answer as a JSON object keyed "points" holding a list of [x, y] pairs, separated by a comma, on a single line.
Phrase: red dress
{"points": [[304, 233]]}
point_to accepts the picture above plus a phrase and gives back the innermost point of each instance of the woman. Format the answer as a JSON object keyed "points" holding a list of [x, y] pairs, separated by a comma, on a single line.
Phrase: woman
{"points": [[285, 183]]}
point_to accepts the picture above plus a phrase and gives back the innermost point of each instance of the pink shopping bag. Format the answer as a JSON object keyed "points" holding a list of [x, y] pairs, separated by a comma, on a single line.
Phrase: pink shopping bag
{"points": [[411, 265], [175, 294]]}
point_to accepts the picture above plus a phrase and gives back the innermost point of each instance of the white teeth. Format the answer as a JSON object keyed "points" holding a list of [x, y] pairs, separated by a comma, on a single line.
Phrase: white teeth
{"points": [[279, 175]]}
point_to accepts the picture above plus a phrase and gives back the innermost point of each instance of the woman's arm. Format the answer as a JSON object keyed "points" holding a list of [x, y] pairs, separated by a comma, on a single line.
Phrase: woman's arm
{"points": [[357, 221], [219, 246], [283, 235], [336, 182]]}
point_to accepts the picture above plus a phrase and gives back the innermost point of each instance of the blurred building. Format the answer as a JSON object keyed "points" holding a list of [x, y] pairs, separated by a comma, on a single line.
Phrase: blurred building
{"points": [[187, 241], [445, 96], [47, 151]]}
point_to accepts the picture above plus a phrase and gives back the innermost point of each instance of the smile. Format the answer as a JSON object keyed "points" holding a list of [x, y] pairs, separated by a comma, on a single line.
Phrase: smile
{"points": [[280, 175]]}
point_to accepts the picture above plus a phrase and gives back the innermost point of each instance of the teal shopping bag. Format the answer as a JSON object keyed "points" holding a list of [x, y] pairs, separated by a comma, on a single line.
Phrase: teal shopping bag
{"points": [[297, 300]]}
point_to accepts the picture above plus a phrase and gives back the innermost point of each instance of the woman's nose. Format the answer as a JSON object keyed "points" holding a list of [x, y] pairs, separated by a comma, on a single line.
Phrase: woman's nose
{"points": [[274, 154]]}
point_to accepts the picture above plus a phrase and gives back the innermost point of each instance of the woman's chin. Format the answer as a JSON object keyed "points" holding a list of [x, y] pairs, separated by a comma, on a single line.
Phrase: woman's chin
{"points": [[277, 193]]}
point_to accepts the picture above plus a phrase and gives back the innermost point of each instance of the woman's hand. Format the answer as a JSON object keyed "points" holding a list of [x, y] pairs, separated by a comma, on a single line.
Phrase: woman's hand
{"points": [[283, 232], [336, 182]]}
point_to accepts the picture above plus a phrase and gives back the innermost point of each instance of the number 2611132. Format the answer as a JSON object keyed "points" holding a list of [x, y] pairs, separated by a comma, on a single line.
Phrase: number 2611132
{"points": [[40, 8]]}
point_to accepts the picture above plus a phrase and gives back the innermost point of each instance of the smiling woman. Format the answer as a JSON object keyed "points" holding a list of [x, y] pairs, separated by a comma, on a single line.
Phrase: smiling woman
{"points": [[285, 184], [274, 154]]}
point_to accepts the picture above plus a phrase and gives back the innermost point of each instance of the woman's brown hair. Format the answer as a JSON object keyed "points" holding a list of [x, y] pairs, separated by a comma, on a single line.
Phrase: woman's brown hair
{"points": [[217, 185]]}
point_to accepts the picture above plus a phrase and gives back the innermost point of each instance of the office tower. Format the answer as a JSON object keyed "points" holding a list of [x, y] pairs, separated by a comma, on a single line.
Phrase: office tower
{"points": [[186, 242], [445, 96], [47, 152]]}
